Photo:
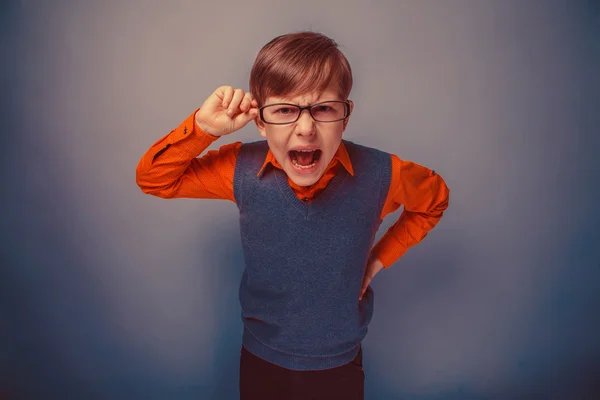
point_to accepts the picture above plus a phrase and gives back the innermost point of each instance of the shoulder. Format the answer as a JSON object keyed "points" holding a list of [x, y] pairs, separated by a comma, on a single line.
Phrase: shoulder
{"points": [[359, 152], [253, 147], [353, 146], [252, 155], [228, 149]]}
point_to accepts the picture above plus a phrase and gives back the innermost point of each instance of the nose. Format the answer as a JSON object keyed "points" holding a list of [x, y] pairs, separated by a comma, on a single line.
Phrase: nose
{"points": [[305, 124]]}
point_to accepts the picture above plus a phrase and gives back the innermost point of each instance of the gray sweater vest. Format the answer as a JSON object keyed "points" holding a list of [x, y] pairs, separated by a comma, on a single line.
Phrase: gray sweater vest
{"points": [[305, 262]]}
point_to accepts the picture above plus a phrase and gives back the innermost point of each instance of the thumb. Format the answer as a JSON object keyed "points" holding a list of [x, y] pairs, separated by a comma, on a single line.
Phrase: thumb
{"points": [[363, 288]]}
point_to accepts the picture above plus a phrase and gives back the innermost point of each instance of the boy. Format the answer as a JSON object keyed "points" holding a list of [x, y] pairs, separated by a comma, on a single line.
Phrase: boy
{"points": [[310, 205]]}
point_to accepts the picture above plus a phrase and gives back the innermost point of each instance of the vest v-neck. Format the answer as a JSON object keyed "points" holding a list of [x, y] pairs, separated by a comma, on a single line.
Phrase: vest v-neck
{"points": [[315, 206]]}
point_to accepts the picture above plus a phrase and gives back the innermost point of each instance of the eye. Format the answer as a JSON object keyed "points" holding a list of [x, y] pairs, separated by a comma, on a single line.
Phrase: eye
{"points": [[322, 108], [284, 110]]}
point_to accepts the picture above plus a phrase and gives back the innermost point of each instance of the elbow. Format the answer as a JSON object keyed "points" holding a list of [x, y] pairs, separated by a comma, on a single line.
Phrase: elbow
{"points": [[144, 181], [442, 204], [443, 195], [145, 188], [154, 189], [140, 178], [152, 181]]}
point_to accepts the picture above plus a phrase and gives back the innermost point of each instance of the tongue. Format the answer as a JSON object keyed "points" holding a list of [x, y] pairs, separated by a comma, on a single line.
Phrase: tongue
{"points": [[304, 157]]}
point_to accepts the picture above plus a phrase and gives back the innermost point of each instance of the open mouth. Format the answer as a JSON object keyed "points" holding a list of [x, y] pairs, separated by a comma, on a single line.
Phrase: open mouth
{"points": [[305, 159]]}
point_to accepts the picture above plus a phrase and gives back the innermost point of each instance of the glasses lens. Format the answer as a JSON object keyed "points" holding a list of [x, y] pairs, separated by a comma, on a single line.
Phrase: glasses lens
{"points": [[280, 114], [329, 111]]}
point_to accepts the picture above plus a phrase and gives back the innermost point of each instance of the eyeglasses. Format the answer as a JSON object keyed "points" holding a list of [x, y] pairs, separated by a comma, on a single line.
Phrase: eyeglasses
{"points": [[284, 113]]}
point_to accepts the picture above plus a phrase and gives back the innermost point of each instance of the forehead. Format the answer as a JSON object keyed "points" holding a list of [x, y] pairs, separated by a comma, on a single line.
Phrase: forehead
{"points": [[331, 93]]}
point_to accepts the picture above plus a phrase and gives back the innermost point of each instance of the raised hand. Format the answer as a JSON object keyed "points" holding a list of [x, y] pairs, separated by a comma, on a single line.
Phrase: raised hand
{"points": [[226, 110]]}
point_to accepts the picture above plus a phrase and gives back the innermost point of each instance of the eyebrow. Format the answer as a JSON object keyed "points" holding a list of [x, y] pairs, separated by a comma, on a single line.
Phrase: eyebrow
{"points": [[297, 104], [287, 100]]}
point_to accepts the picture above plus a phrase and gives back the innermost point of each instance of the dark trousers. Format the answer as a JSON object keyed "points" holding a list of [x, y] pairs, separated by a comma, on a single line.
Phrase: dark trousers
{"points": [[262, 380]]}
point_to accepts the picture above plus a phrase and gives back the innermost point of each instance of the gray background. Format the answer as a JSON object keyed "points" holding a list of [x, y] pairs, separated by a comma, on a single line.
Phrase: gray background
{"points": [[107, 293]]}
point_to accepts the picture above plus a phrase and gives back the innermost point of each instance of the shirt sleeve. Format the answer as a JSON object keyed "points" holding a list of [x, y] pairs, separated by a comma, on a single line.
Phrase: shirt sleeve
{"points": [[171, 167], [425, 197]]}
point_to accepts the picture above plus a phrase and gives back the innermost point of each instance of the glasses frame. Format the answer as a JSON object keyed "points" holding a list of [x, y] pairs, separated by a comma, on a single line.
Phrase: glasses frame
{"points": [[308, 107]]}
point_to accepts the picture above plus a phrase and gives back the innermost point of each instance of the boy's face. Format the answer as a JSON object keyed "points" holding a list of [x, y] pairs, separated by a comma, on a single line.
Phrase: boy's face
{"points": [[306, 133]]}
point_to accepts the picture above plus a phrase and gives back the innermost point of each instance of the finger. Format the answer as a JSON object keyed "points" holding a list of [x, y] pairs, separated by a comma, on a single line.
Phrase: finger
{"points": [[227, 95], [252, 103], [234, 106], [246, 103]]}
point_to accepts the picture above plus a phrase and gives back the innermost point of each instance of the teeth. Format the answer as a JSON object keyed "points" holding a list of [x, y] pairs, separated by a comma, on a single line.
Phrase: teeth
{"points": [[306, 151], [303, 166]]}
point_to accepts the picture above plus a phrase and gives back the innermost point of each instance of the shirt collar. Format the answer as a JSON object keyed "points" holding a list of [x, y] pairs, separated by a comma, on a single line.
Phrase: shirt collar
{"points": [[341, 155]]}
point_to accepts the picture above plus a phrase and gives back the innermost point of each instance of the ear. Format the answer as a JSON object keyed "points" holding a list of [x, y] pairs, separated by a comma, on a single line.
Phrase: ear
{"points": [[348, 117], [261, 127]]}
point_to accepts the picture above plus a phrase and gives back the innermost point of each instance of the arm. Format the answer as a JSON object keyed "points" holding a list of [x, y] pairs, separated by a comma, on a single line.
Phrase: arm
{"points": [[170, 169], [425, 197]]}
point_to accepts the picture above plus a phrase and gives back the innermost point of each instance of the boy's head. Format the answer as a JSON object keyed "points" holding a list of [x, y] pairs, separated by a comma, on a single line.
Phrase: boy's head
{"points": [[302, 69]]}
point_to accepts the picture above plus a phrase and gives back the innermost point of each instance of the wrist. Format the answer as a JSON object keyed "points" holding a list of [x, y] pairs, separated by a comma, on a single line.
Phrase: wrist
{"points": [[204, 128]]}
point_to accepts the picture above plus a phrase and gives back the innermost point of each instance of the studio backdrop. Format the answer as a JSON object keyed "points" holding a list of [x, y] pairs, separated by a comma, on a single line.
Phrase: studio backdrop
{"points": [[107, 293]]}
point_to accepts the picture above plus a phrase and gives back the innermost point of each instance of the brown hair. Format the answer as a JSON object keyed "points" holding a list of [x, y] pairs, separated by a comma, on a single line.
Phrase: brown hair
{"points": [[298, 63]]}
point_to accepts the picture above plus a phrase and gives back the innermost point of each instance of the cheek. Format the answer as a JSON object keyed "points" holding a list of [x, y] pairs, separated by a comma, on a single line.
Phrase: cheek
{"points": [[333, 141], [278, 147]]}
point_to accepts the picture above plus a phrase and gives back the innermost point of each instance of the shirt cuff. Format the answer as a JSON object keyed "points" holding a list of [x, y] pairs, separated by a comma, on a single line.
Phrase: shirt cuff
{"points": [[190, 139], [388, 250]]}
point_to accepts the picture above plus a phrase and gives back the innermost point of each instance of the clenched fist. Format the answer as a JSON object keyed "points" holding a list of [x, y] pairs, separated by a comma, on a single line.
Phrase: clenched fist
{"points": [[226, 110]]}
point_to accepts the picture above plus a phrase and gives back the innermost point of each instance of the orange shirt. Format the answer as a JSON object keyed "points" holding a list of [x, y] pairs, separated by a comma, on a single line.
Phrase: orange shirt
{"points": [[171, 168]]}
